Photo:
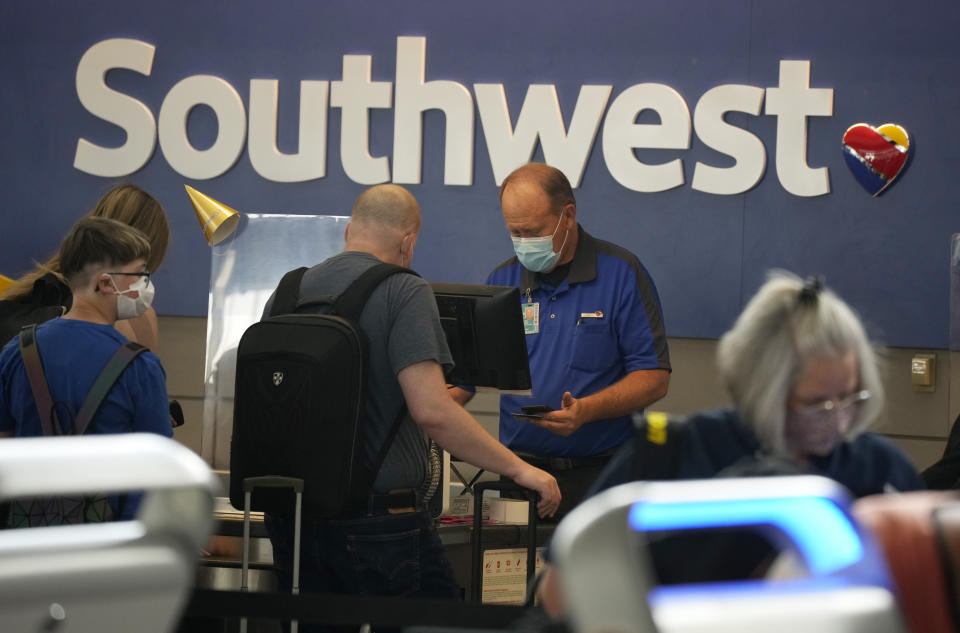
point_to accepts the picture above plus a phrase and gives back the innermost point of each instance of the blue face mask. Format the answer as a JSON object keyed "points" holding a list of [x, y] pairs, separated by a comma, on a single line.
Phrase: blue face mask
{"points": [[536, 253]]}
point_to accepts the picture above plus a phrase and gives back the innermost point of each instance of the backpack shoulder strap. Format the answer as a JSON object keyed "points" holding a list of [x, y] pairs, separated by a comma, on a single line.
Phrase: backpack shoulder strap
{"points": [[104, 383], [288, 292], [37, 378], [365, 486], [659, 441], [386, 445], [349, 305], [351, 301]]}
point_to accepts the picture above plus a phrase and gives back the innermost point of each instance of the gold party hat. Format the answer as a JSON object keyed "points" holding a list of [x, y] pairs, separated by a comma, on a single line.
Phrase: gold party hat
{"points": [[217, 219], [5, 282]]}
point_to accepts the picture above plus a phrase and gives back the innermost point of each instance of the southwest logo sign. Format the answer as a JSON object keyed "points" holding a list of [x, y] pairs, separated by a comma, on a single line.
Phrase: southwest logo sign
{"points": [[876, 155], [600, 116]]}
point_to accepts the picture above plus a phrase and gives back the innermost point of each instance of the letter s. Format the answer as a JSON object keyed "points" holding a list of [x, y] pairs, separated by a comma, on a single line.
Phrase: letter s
{"points": [[134, 117]]}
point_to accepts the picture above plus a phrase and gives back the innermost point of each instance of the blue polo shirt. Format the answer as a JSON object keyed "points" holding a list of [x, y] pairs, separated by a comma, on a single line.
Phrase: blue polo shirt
{"points": [[598, 324]]}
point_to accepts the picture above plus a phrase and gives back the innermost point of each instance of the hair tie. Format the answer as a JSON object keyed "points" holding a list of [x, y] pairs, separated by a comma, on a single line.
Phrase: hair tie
{"points": [[812, 286]]}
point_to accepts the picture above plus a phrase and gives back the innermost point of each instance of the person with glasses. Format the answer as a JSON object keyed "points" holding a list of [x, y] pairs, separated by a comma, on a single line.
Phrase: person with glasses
{"points": [[27, 300], [105, 264], [805, 386]]}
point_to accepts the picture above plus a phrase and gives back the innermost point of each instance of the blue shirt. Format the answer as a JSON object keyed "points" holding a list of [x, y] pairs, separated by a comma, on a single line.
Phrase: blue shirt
{"points": [[73, 354], [623, 332]]}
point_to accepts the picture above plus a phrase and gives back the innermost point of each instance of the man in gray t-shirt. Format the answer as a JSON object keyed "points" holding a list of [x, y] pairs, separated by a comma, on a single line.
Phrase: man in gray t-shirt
{"points": [[395, 550], [402, 327]]}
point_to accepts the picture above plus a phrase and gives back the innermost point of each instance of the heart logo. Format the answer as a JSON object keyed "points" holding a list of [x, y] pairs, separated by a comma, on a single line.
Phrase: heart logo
{"points": [[876, 156]]}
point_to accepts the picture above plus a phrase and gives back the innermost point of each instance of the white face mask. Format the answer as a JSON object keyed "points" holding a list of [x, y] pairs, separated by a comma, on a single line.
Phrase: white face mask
{"points": [[819, 432], [536, 253], [130, 308]]}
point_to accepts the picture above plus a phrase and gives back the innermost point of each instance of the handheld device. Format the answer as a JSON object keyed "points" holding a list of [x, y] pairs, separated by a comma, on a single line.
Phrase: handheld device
{"points": [[532, 412], [536, 408]]}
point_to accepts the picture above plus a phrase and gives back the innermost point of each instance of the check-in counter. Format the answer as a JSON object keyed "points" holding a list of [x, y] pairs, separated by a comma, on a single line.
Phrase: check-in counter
{"points": [[221, 561], [220, 565]]}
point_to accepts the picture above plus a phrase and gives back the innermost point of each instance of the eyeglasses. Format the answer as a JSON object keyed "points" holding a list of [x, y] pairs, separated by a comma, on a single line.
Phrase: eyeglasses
{"points": [[145, 275], [834, 406]]}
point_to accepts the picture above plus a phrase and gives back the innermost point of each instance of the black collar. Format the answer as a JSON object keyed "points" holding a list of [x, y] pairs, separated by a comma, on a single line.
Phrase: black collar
{"points": [[583, 266]]}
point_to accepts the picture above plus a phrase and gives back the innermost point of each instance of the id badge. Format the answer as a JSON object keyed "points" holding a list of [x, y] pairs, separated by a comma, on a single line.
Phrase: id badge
{"points": [[531, 318]]}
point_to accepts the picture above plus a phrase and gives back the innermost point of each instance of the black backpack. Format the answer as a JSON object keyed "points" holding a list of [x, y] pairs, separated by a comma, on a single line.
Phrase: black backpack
{"points": [[64, 510], [50, 299], [300, 401]]}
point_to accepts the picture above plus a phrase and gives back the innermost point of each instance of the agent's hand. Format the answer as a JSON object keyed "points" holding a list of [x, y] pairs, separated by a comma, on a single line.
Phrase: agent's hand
{"points": [[565, 421], [545, 485]]}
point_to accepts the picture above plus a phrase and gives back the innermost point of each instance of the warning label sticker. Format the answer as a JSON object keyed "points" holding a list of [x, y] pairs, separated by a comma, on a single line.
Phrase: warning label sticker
{"points": [[505, 575]]}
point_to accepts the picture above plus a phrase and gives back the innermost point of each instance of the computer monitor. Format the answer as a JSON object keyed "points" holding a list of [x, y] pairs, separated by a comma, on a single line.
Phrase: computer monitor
{"points": [[484, 330]]}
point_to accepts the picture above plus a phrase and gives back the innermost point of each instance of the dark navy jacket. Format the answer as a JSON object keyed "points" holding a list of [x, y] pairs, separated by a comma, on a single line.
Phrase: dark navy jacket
{"points": [[716, 440]]}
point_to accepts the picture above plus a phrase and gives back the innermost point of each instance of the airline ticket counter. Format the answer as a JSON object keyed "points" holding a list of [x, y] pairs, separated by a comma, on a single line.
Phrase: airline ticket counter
{"points": [[503, 554]]}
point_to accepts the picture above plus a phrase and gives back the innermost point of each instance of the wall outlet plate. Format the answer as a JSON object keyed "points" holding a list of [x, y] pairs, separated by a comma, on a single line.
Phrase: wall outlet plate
{"points": [[923, 372]]}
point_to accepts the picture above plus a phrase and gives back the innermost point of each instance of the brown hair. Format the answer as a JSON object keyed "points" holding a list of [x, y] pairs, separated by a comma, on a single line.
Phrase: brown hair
{"points": [[125, 203], [553, 182], [135, 207], [99, 242]]}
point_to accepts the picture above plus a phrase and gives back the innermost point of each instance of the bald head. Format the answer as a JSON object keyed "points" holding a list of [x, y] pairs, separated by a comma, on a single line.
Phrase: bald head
{"points": [[385, 221], [387, 206], [549, 179]]}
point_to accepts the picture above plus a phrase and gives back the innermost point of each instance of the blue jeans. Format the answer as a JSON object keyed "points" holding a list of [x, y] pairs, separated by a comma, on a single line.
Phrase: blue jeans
{"points": [[380, 555]]}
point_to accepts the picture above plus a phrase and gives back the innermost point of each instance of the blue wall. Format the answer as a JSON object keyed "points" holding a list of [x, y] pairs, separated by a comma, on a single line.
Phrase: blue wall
{"points": [[886, 62]]}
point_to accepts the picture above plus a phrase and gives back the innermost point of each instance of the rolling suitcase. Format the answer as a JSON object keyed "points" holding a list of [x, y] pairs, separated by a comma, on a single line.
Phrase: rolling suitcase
{"points": [[249, 484]]}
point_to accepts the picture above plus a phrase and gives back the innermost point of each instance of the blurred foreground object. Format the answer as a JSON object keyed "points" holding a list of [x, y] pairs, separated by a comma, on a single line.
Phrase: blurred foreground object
{"points": [[608, 582], [103, 577]]}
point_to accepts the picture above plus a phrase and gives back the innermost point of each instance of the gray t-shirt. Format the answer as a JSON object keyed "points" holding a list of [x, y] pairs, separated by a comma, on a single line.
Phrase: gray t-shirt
{"points": [[402, 326]]}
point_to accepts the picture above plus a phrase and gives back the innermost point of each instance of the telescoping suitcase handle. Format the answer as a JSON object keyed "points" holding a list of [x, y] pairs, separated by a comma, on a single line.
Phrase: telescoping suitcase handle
{"points": [[476, 563], [271, 481]]}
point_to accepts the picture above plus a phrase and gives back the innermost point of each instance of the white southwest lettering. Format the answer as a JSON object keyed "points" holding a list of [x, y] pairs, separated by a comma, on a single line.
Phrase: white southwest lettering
{"points": [[123, 111], [621, 135], [310, 161], [413, 96], [231, 127], [540, 117], [792, 103], [355, 96], [746, 149], [539, 121]]}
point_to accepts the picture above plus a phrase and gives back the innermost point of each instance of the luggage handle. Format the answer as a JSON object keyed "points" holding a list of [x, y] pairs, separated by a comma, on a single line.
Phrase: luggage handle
{"points": [[271, 481], [478, 490]]}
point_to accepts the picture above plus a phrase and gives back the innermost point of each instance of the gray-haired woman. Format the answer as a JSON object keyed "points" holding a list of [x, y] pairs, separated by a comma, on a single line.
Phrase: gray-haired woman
{"points": [[805, 386]]}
